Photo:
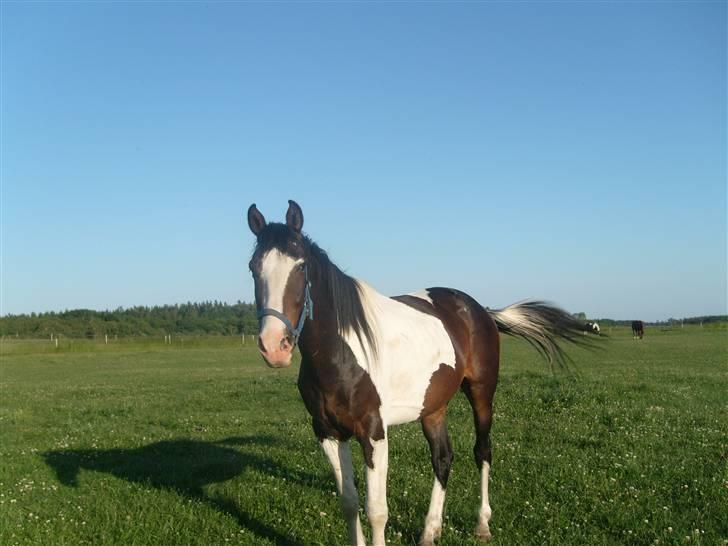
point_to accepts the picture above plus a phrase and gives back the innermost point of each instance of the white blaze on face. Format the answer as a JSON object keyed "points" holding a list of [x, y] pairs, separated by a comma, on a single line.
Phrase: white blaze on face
{"points": [[276, 268]]}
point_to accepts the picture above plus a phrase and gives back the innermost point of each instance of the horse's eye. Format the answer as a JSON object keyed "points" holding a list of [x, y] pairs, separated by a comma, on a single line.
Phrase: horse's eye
{"points": [[302, 266]]}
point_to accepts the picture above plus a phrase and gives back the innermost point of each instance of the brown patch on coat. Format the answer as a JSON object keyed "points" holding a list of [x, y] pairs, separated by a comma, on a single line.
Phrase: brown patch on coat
{"points": [[293, 295], [475, 341], [444, 383], [342, 400], [338, 393]]}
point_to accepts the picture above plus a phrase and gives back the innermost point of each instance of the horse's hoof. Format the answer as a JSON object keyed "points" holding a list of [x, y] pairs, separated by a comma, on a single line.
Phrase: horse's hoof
{"points": [[483, 534], [430, 540]]}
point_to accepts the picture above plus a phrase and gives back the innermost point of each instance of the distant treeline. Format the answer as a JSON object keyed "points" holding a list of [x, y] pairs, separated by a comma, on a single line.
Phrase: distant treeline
{"points": [[206, 318], [707, 319]]}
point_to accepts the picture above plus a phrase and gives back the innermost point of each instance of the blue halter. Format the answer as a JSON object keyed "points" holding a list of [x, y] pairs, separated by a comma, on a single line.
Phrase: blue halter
{"points": [[307, 311]]}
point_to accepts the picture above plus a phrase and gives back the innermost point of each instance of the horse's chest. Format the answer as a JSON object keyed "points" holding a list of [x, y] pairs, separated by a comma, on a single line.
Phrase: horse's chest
{"points": [[341, 398]]}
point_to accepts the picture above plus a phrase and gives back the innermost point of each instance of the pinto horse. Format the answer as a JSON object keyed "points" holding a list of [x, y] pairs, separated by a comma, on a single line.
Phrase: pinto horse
{"points": [[592, 328], [369, 361]]}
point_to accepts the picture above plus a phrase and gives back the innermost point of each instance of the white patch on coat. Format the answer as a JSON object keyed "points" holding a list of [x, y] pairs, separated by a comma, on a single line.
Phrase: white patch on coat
{"points": [[276, 267], [433, 521], [411, 345], [423, 294], [595, 327]]}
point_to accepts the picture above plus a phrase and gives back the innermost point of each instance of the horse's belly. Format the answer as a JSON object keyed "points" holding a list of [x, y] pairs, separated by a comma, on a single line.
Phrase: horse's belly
{"points": [[399, 415]]}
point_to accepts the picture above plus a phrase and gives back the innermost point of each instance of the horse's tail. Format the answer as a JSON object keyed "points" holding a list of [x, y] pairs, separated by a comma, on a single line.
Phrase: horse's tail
{"points": [[543, 325]]}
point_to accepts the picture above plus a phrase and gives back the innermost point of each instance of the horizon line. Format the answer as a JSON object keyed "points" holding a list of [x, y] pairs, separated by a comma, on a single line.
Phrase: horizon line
{"points": [[242, 302]]}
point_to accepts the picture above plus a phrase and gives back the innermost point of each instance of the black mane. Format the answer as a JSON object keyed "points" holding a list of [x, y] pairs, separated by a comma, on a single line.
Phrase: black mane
{"points": [[344, 293]]}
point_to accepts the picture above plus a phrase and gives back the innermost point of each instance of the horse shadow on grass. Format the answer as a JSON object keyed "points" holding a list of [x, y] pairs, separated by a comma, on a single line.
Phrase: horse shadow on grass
{"points": [[186, 467]]}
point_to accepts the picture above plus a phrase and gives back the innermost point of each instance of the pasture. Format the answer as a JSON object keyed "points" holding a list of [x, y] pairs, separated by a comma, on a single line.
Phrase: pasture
{"points": [[200, 443]]}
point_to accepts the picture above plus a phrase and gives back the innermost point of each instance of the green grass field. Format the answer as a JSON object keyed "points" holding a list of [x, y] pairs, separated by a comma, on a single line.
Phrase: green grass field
{"points": [[200, 443]]}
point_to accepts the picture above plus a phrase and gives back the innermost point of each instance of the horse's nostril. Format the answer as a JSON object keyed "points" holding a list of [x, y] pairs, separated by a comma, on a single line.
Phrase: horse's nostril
{"points": [[260, 345], [286, 343]]}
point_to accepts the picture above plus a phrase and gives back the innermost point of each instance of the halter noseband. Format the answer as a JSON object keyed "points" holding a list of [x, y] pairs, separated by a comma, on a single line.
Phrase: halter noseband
{"points": [[307, 311]]}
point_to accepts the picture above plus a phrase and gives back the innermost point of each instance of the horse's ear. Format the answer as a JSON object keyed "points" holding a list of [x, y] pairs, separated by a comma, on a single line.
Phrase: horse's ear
{"points": [[255, 220], [294, 216]]}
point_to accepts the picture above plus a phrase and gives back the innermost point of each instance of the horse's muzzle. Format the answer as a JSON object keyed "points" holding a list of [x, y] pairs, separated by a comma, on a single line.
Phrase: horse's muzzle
{"points": [[277, 354]]}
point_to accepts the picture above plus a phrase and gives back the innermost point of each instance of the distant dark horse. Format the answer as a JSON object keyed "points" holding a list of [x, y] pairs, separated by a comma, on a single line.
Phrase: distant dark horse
{"points": [[369, 361], [592, 328], [638, 329]]}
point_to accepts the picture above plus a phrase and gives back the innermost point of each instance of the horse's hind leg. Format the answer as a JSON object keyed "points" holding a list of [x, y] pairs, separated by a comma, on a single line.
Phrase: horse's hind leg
{"points": [[434, 426], [480, 396]]}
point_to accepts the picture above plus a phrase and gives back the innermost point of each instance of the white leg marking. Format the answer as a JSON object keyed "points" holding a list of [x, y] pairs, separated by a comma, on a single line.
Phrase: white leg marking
{"points": [[482, 531], [377, 490], [339, 455], [433, 521]]}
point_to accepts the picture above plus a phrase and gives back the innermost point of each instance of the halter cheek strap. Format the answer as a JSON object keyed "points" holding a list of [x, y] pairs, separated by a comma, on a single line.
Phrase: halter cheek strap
{"points": [[306, 312]]}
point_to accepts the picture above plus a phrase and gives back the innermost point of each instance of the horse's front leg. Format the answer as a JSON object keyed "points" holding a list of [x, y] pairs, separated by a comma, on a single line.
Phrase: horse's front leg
{"points": [[339, 455], [376, 454]]}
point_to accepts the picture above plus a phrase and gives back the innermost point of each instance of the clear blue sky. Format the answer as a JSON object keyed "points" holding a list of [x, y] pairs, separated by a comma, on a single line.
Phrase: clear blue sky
{"points": [[572, 151]]}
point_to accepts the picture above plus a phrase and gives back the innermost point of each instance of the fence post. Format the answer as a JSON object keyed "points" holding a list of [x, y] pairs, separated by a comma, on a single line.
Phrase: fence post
{"points": [[56, 343], [106, 339]]}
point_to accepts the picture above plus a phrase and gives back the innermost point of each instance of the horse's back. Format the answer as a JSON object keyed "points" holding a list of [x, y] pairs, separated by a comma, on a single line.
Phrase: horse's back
{"points": [[473, 330]]}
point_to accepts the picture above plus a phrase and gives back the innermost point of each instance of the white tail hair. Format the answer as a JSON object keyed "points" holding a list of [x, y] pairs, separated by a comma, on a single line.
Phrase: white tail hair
{"points": [[543, 325]]}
